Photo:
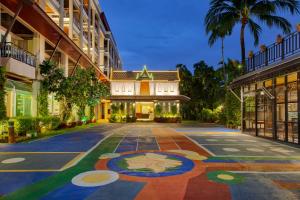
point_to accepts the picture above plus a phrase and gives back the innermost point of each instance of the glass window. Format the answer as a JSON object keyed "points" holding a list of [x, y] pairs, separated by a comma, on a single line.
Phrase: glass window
{"points": [[249, 116], [23, 104], [292, 95], [280, 107]]}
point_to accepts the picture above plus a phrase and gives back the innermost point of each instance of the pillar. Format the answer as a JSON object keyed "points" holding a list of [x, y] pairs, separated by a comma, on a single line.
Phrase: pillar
{"points": [[61, 14], [39, 51], [70, 33], [242, 109], [93, 35], [81, 24], [89, 28], [65, 64]]}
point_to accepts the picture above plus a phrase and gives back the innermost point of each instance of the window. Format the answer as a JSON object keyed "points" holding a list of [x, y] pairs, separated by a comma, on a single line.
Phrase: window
{"points": [[172, 88], [159, 88], [23, 104], [166, 88], [292, 98], [280, 100]]}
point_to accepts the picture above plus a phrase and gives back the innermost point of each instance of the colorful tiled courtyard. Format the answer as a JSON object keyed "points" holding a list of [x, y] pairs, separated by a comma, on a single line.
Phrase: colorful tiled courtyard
{"points": [[150, 161]]}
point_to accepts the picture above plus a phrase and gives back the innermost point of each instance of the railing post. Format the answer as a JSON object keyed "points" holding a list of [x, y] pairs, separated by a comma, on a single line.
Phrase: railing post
{"points": [[266, 57]]}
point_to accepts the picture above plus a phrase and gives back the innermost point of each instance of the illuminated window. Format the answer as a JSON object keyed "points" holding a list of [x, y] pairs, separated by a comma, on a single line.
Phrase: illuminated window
{"points": [[23, 104]]}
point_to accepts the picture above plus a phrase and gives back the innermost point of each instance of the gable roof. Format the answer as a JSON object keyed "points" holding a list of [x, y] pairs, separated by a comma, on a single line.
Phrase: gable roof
{"points": [[145, 75]]}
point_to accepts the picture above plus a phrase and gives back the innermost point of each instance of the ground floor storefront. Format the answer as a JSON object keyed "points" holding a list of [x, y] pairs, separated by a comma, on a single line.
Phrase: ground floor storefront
{"points": [[147, 110], [270, 107]]}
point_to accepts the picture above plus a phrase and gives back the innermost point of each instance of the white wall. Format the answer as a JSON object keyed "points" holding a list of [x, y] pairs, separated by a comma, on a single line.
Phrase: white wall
{"points": [[122, 88], [167, 88], [156, 88]]}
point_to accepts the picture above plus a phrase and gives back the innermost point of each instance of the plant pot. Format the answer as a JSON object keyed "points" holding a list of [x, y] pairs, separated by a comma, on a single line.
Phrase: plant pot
{"points": [[298, 27], [279, 39], [263, 48], [251, 54]]}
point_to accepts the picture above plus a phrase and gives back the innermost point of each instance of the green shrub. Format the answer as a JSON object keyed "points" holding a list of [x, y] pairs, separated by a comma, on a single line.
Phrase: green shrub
{"points": [[23, 125], [113, 118], [130, 119], [115, 109], [174, 110], [51, 123], [2, 94], [158, 110]]}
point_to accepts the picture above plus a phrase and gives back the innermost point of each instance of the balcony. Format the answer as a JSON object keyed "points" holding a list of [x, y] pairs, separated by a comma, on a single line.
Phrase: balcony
{"points": [[285, 47], [10, 50]]}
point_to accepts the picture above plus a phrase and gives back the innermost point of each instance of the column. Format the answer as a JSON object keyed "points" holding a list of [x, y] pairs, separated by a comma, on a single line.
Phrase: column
{"points": [[93, 35], [65, 64], [99, 47], [61, 14], [70, 33], [81, 24], [39, 51], [89, 28], [242, 109], [298, 96]]}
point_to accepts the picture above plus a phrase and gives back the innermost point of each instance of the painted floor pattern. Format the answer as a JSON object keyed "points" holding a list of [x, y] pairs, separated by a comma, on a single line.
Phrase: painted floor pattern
{"points": [[150, 161]]}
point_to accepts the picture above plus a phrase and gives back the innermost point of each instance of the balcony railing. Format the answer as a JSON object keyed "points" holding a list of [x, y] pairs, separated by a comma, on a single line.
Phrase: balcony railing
{"points": [[13, 51], [284, 48]]}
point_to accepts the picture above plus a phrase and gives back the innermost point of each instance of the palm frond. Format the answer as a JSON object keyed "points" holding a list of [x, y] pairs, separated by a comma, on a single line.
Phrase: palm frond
{"points": [[255, 30], [280, 22], [290, 5]]}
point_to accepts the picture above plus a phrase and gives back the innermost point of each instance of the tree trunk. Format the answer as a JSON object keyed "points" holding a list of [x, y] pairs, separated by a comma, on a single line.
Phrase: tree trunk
{"points": [[223, 61], [242, 41]]}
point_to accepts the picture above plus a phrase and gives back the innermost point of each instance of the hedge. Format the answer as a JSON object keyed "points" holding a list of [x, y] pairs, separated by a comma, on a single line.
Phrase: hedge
{"points": [[24, 125]]}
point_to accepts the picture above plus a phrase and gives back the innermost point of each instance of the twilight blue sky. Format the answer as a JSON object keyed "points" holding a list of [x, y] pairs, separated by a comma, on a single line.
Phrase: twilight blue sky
{"points": [[163, 33]]}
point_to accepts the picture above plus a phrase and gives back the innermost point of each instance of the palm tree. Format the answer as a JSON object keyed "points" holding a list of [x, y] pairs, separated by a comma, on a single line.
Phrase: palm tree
{"points": [[246, 12], [218, 31]]}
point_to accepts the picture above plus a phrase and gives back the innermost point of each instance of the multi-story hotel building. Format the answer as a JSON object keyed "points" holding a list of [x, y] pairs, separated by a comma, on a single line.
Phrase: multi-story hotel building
{"points": [[270, 90], [71, 33], [141, 91]]}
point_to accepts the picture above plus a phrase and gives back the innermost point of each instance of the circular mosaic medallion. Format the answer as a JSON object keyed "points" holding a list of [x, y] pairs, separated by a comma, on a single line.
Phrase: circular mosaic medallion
{"points": [[95, 178], [255, 150], [231, 149], [151, 164], [12, 160], [189, 154], [225, 177]]}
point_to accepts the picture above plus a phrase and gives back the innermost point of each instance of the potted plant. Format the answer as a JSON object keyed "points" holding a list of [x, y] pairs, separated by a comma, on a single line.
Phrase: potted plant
{"points": [[263, 48], [251, 54], [298, 27], [279, 39]]}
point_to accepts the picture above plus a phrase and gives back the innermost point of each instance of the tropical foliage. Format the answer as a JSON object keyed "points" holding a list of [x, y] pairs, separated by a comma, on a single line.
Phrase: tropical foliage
{"points": [[224, 15], [2, 94], [81, 90], [210, 99]]}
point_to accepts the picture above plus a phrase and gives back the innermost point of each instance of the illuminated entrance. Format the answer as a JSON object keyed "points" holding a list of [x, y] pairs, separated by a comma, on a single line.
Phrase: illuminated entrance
{"points": [[145, 111]]}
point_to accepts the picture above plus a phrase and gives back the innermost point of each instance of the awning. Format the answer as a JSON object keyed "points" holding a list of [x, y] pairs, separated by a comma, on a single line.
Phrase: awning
{"points": [[181, 98], [42, 23]]}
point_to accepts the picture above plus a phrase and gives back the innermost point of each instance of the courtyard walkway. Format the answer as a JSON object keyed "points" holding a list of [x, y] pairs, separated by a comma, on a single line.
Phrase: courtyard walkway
{"points": [[150, 161]]}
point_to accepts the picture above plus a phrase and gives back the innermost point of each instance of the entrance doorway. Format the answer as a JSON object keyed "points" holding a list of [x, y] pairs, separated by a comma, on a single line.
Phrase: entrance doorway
{"points": [[145, 111]]}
